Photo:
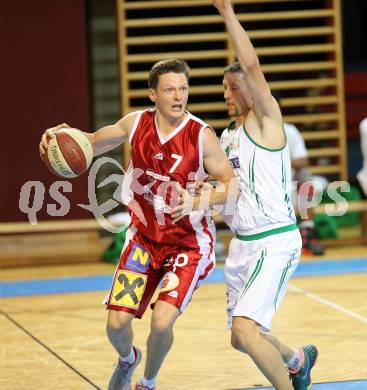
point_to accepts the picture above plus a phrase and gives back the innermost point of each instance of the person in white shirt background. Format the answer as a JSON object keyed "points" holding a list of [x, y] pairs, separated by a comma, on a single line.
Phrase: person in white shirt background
{"points": [[362, 174], [301, 174]]}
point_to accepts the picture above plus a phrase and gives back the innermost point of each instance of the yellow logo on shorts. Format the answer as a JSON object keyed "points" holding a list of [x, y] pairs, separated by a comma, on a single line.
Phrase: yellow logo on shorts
{"points": [[128, 289], [140, 255], [138, 259]]}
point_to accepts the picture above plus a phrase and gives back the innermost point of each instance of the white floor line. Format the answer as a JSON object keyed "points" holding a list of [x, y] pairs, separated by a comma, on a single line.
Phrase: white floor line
{"points": [[328, 303]]}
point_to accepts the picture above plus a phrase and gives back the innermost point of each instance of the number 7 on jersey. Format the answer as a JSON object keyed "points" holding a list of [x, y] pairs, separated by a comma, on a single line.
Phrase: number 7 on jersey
{"points": [[178, 159]]}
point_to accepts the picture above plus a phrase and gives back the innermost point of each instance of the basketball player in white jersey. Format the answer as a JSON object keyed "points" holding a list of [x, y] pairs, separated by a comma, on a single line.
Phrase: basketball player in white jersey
{"points": [[267, 246]]}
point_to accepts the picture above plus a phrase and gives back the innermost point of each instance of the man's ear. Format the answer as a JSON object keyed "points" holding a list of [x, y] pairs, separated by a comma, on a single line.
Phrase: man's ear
{"points": [[152, 95]]}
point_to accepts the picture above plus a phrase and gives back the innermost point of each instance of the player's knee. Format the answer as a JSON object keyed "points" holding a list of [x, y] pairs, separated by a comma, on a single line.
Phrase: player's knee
{"points": [[244, 333], [238, 337], [237, 342], [163, 318], [161, 326], [118, 321]]}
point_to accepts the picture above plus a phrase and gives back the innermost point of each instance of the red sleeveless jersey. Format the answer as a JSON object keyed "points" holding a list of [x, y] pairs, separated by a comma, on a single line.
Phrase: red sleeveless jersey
{"points": [[158, 163]]}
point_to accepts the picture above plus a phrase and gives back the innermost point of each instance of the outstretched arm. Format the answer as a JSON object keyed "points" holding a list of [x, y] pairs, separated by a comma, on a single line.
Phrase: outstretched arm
{"points": [[102, 140], [109, 137], [265, 104]]}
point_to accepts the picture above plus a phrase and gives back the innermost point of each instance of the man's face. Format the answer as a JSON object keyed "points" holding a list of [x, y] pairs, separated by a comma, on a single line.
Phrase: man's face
{"points": [[236, 94], [171, 95]]}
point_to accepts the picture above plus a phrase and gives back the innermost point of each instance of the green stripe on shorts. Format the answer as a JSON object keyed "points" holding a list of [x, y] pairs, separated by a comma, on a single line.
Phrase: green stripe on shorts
{"points": [[256, 271], [282, 278]]}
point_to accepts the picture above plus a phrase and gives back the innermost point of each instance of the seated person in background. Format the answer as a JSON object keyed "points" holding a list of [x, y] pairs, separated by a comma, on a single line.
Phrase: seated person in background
{"points": [[301, 174], [362, 174]]}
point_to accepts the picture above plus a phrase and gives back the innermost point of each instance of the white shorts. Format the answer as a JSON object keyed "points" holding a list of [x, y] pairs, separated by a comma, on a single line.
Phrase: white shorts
{"points": [[257, 274]]}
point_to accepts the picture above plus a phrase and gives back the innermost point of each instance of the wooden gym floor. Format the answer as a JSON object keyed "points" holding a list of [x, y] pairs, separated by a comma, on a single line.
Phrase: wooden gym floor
{"points": [[53, 337]]}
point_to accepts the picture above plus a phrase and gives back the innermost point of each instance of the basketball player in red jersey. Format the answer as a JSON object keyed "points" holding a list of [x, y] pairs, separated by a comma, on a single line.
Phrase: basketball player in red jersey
{"points": [[170, 148]]}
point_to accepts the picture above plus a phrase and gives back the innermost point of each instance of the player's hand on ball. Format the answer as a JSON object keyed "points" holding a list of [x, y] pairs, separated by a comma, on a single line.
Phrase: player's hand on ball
{"points": [[67, 152], [46, 136]]}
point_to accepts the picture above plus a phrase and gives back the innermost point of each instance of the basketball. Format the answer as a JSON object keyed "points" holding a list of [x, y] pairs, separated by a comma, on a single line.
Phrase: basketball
{"points": [[69, 153]]}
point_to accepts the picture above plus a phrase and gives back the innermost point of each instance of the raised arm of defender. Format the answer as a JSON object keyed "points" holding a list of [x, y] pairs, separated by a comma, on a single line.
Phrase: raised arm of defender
{"points": [[265, 104]]}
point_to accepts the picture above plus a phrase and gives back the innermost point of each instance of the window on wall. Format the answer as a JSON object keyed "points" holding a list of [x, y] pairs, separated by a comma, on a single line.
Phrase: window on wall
{"points": [[105, 83], [354, 34], [355, 68]]}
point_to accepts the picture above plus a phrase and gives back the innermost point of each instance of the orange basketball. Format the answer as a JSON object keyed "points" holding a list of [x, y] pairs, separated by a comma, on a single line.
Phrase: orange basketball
{"points": [[69, 153]]}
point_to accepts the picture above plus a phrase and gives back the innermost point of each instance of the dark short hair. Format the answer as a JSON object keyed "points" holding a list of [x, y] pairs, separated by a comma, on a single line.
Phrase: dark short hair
{"points": [[166, 66], [233, 68]]}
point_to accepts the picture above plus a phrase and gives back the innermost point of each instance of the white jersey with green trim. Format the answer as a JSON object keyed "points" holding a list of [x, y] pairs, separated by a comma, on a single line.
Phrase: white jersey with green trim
{"points": [[265, 184]]}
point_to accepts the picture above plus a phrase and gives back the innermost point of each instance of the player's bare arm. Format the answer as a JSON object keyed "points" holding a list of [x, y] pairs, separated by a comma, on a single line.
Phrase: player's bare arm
{"points": [[266, 106], [103, 140], [219, 169], [110, 137]]}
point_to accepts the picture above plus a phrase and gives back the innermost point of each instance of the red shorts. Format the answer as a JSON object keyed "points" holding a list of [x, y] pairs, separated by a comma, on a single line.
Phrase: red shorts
{"points": [[135, 279]]}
